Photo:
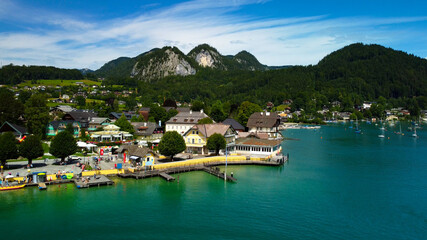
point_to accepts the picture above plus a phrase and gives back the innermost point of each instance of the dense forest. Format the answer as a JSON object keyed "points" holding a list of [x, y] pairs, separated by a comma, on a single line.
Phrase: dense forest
{"points": [[350, 75], [11, 74]]}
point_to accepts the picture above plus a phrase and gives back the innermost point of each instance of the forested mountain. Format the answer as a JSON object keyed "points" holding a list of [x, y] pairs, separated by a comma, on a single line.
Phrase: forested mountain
{"points": [[373, 70], [11, 74], [350, 75], [169, 61]]}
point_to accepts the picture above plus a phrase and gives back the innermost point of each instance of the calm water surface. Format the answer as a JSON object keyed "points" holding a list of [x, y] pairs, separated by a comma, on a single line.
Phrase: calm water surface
{"points": [[337, 185]]}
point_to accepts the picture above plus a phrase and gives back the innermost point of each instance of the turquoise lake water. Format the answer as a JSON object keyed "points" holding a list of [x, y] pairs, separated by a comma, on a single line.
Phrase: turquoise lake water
{"points": [[337, 185]]}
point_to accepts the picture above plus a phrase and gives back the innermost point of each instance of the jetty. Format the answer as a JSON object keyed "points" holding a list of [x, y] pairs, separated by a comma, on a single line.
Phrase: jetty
{"points": [[99, 180], [166, 176], [210, 168], [216, 172]]}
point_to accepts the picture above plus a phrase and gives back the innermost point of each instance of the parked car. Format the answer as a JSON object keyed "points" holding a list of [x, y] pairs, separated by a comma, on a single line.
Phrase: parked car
{"points": [[73, 158]]}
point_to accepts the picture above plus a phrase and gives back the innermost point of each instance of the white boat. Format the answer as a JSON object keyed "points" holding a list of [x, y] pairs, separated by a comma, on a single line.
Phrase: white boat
{"points": [[382, 133], [415, 133]]}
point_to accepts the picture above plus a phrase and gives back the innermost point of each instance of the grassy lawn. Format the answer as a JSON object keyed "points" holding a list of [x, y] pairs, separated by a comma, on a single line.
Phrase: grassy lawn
{"points": [[58, 82], [88, 100], [53, 104]]}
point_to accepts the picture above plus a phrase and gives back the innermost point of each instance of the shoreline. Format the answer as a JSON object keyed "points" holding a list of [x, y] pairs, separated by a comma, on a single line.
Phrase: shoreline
{"points": [[161, 169]]}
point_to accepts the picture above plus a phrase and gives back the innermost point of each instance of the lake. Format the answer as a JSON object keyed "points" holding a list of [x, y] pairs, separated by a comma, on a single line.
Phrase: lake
{"points": [[336, 185]]}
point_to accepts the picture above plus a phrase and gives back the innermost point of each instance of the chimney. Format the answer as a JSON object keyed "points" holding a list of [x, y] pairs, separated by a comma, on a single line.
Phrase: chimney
{"points": [[191, 112], [262, 113], [145, 124], [201, 111], [267, 113]]}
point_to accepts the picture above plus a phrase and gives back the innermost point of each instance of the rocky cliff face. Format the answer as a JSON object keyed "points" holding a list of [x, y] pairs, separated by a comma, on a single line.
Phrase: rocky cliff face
{"points": [[162, 63], [207, 56], [167, 61]]}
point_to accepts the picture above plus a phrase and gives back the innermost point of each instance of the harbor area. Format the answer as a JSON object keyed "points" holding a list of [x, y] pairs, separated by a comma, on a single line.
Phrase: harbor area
{"points": [[45, 173]]}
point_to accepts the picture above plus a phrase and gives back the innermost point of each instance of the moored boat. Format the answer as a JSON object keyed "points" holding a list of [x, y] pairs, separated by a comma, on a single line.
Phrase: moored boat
{"points": [[12, 187]]}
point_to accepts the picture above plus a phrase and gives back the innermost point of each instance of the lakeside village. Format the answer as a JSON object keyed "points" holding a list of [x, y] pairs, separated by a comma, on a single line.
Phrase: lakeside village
{"points": [[134, 144]]}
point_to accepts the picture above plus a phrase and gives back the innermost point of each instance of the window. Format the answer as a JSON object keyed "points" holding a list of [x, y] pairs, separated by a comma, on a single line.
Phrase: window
{"points": [[197, 132], [193, 132], [192, 140], [188, 140], [200, 140]]}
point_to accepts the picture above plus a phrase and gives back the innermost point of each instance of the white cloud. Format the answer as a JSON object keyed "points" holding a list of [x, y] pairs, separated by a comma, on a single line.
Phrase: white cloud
{"points": [[65, 41]]}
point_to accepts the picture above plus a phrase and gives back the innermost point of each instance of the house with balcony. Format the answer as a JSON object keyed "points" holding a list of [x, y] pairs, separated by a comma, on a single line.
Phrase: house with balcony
{"points": [[183, 121], [147, 131], [55, 127], [197, 136], [265, 122], [111, 133], [97, 122]]}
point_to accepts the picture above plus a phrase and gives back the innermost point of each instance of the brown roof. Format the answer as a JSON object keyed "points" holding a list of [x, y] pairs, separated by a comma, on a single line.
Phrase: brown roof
{"points": [[253, 135], [134, 150], [264, 120], [257, 142], [191, 117], [209, 129]]}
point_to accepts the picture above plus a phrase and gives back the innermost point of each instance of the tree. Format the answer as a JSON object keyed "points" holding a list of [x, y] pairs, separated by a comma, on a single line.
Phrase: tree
{"points": [[69, 128], [205, 120], [81, 101], [171, 143], [63, 145], [134, 118], [8, 149], [159, 114], [172, 113], [31, 148], [197, 105], [10, 109], [217, 112], [245, 110], [124, 124], [216, 142], [37, 114]]}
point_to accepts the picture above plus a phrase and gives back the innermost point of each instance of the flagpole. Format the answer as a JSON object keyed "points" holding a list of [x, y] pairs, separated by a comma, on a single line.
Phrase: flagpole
{"points": [[225, 172]]}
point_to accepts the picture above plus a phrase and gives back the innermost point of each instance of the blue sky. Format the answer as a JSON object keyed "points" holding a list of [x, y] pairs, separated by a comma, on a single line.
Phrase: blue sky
{"points": [[80, 34]]}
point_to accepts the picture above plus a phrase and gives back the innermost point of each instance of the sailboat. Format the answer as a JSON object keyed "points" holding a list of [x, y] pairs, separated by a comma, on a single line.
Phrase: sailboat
{"points": [[382, 131], [415, 133], [357, 130]]}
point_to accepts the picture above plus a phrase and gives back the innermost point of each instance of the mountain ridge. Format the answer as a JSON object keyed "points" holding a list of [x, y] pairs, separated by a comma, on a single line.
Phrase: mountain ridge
{"points": [[162, 62]]}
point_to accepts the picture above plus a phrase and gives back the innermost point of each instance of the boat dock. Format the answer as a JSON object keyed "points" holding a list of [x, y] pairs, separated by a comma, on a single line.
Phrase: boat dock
{"points": [[98, 181], [216, 172], [166, 176], [209, 168]]}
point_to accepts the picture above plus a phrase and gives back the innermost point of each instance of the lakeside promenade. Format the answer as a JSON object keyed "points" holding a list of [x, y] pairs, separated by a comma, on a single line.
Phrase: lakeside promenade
{"points": [[51, 167]]}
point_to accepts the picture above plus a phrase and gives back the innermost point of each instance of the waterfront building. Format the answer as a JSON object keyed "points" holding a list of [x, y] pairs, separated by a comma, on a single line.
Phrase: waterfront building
{"points": [[111, 133], [183, 121], [254, 145], [196, 137], [265, 122], [137, 154]]}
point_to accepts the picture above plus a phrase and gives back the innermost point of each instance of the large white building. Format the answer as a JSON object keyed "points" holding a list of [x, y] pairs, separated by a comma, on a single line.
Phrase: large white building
{"points": [[183, 121]]}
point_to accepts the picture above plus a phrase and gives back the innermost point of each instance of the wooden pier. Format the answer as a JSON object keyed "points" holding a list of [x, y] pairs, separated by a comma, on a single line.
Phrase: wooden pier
{"points": [[98, 181], [166, 176], [209, 168], [216, 172]]}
